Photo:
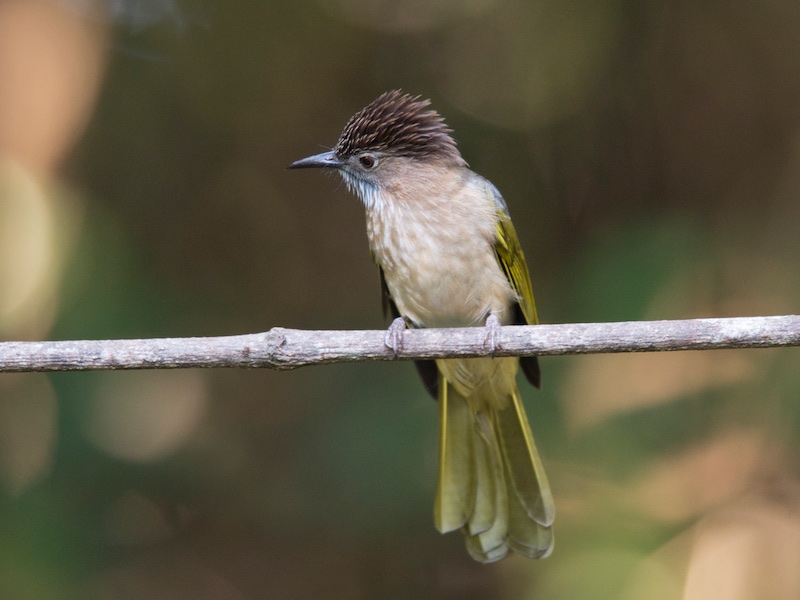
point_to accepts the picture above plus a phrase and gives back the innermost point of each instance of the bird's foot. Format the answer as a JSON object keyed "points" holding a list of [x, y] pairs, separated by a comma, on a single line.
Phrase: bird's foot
{"points": [[394, 335], [493, 330]]}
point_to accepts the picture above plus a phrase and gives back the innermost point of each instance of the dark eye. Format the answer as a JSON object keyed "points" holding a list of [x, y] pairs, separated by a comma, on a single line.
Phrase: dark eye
{"points": [[367, 161]]}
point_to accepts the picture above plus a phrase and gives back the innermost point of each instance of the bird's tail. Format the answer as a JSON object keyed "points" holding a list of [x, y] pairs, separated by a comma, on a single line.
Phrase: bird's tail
{"points": [[492, 483]]}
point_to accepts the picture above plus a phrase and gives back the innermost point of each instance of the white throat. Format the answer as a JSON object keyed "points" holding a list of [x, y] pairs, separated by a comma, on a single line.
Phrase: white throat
{"points": [[366, 191]]}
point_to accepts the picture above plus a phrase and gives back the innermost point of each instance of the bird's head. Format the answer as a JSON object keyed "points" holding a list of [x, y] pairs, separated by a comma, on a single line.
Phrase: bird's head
{"points": [[383, 143]]}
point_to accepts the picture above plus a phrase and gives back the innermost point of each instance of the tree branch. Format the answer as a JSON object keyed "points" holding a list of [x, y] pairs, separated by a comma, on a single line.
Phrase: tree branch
{"points": [[281, 348]]}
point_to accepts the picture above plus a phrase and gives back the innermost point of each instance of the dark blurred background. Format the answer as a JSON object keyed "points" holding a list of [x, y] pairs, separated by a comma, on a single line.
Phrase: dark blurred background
{"points": [[650, 156]]}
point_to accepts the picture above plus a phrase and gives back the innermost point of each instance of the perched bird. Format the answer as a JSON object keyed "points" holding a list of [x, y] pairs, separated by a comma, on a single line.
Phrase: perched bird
{"points": [[448, 256]]}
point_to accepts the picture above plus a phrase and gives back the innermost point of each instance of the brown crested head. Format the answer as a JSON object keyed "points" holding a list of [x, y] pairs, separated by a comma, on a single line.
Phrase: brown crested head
{"points": [[398, 124]]}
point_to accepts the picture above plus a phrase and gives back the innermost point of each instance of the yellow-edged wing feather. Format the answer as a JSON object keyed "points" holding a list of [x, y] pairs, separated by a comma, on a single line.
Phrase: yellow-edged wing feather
{"points": [[509, 254], [512, 260]]}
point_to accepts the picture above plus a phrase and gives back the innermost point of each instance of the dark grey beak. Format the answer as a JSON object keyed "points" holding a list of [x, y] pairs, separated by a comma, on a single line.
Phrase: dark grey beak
{"points": [[326, 160]]}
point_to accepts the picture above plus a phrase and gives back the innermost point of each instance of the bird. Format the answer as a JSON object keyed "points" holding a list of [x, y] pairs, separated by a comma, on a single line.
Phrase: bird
{"points": [[448, 256]]}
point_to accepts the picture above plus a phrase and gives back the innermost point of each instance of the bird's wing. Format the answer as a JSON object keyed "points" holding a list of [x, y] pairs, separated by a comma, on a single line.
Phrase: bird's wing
{"points": [[512, 260], [509, 255], [389, 307]]}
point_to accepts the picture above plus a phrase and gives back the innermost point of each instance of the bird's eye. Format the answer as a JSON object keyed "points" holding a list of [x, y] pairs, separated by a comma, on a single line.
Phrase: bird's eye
{"points": [[367, 161]]}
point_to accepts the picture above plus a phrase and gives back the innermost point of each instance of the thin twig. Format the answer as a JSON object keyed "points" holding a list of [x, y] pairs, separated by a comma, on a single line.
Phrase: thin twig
{"points": [[282, 348]]}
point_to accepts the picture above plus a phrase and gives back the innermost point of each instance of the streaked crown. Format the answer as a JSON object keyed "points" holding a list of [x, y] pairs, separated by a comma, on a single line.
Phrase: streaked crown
{"points": [[399, 124]]}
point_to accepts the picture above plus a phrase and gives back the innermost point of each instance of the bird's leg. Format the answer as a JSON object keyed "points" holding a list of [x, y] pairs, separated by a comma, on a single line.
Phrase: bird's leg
{"points": [[394, 335], [492, 328]]}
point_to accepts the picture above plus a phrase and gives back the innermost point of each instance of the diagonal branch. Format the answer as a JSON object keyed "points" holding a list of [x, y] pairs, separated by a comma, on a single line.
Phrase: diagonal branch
{"points": [[281, 348]]}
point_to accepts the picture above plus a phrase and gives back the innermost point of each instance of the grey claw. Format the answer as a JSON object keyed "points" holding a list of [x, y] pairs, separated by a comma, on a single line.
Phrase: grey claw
{"points": [[394, 335], [493, 331]]}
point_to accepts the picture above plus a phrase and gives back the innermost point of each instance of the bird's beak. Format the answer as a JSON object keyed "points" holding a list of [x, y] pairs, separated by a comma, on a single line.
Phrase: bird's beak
{"points": [[326, 160]]}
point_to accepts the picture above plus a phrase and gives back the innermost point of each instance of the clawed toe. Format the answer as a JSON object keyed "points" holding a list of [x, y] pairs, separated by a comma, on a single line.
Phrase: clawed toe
{"points": [[394, 335], [493, 331]]}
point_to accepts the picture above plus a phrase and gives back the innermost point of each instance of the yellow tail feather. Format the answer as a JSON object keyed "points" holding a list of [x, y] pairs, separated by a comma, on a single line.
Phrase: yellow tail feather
{"points": [[455, 494], [492, 483]]}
